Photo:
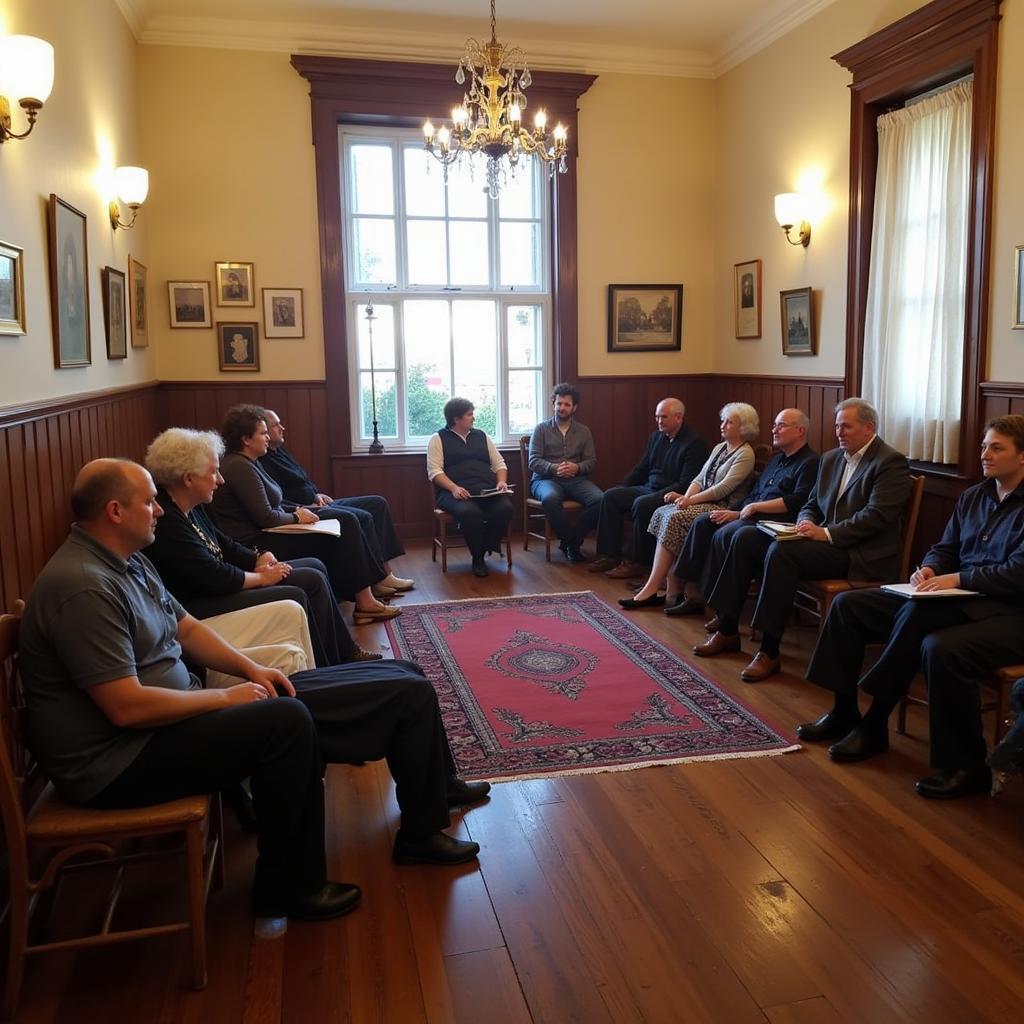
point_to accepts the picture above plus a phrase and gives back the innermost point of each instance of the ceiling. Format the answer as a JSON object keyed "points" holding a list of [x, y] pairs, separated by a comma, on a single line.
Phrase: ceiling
{"points": [[694, 38]]}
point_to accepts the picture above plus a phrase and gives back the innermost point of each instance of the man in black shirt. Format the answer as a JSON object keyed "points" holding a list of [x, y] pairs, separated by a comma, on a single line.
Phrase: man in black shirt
{"points": [[673, 457], [953, 640]]}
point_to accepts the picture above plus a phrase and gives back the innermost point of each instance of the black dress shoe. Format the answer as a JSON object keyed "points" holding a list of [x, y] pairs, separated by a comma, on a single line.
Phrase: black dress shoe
{"points": [[332, 900], [439, 848], [859, 745], [654, 601], [573, 554], [462, 794], [686, 607], [950, 784], [480, 568], [829, 727]]}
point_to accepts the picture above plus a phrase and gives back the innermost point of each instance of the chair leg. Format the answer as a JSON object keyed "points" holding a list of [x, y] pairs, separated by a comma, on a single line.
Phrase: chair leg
{"points": [[17, 930], [444, 546], [901, 717], [194, 854], [217, 835], [547, 539], [1002, 711], [508, 546]]}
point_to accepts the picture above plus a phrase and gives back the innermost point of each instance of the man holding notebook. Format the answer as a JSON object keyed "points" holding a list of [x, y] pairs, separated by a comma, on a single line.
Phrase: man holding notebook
{"points": [[953, 638]]}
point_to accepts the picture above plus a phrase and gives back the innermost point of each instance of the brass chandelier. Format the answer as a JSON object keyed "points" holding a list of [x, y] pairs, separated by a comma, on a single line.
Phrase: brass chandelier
{"points": [[489, 119]]}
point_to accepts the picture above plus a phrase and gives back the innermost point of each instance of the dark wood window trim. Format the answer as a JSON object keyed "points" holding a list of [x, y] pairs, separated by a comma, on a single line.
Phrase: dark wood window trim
{"points": [[397, 94], [940, 42]]}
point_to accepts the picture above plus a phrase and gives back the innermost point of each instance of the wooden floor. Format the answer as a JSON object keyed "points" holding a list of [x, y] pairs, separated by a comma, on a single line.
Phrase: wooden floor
{"points": [[783, 889]]}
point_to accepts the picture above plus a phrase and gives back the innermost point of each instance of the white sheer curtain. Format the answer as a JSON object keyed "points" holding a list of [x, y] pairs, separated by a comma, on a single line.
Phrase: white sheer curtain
{"points": [[914, 328]]}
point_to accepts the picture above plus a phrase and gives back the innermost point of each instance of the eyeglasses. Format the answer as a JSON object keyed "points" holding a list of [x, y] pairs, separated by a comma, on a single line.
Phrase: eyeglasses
{"points": [[781, 426]]}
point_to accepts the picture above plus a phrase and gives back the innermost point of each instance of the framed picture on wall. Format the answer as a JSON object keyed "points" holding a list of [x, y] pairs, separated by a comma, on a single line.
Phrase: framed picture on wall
{"points": [[139, 303], [189, 302], [797, 322], [238, 345], [69, 285], [114, 320], [645, 317], [234, 284], [282, 313], [1018, 288], [12, 289], [746, 282]]}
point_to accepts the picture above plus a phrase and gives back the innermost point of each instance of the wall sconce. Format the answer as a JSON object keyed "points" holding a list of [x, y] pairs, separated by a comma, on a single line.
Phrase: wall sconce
{"points": [[789, 210], [26, 78], [132, 186]]}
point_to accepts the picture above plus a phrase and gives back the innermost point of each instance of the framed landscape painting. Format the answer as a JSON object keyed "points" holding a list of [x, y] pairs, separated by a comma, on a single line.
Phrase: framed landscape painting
{"points": [[12, 289], [645, 317], [797, 322], [189, 303]]}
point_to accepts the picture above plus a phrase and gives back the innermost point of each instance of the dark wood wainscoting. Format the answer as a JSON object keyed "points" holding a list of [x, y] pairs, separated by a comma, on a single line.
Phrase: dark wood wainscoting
{"points": [[42, 447]]}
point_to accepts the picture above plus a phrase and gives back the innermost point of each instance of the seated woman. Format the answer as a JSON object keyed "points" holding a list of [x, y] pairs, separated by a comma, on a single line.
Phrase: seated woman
{"points": [[212, 575], [723, 481], [250, 504], [461, 462]]}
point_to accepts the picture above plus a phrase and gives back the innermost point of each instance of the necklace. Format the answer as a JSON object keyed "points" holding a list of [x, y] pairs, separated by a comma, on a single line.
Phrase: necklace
{"points": [[211, 545]]}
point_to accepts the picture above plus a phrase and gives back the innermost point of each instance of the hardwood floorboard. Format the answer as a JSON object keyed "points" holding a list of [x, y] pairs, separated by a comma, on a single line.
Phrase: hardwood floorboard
{"points": [[785, 889]]}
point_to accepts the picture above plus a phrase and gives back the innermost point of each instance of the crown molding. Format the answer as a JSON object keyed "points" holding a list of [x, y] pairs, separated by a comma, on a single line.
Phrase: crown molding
{"points": [[130, 11], [771, 25]]}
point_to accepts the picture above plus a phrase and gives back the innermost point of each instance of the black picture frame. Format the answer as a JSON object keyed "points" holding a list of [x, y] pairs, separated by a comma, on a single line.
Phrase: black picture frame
{"points": [[115, 322]]}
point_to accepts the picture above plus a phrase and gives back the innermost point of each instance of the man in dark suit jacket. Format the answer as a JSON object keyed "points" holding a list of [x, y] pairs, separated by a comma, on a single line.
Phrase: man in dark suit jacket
{"points": [[673, 457], [849, 528], [954, 641]]}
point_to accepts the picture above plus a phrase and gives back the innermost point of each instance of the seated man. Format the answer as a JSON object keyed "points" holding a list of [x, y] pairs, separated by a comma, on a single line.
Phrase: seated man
{"points": [[1008, 757], [371, 509], [779, 494], [562, 457], [462, 461], [954, 641], [673, 457], [117, 720], [849, 529]]}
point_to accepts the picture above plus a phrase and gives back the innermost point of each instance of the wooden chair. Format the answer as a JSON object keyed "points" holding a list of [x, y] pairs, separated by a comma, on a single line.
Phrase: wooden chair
{"points": [[816, 596], [446, 528], [533, 510], [46, 840], [1000, 681]]}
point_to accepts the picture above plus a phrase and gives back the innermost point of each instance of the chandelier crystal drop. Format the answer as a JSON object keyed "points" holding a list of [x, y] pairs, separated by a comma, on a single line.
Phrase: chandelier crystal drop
{"points": [[489, 119]]}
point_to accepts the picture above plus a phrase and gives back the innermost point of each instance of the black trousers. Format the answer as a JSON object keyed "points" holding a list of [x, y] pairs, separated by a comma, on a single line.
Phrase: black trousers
{"points": [[483, 521], [639, 503], [373, 511], [272, 742], [953, 643], [307, 585], [694, 560]]}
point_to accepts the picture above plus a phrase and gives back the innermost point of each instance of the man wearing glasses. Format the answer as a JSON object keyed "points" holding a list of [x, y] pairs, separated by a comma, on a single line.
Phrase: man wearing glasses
{"points": [[780, 492]]}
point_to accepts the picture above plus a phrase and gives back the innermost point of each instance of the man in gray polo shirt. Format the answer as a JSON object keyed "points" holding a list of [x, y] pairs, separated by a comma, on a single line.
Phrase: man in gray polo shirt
{"points": [[562, 457]]}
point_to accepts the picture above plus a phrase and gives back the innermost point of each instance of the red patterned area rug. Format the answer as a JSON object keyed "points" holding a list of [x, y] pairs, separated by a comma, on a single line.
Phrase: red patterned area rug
{"points": [[556, 684]]}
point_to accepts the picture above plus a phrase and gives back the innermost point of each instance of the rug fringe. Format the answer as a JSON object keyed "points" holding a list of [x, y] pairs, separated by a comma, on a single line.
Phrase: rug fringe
{"points": [[597, 769], [500, 597]]}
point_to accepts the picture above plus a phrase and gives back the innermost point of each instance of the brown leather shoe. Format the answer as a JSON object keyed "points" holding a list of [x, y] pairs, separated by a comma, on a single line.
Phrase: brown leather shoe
{"points": [[626, 571], [602, 564], [718, 643], [711, 626], [763, 666]]}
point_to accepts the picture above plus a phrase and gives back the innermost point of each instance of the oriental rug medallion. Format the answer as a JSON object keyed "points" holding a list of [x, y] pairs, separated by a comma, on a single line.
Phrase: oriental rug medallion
{"points": [[554, 684]]}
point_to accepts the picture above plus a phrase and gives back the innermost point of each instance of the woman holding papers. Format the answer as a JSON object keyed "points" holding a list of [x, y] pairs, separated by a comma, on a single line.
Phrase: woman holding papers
{"points": [[249, 505], [723, 481]]}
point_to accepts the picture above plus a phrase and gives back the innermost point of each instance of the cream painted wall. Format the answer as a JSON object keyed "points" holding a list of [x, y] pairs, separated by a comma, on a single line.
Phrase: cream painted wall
{"points": [[647, 212], [87, 127], [227, 134]]}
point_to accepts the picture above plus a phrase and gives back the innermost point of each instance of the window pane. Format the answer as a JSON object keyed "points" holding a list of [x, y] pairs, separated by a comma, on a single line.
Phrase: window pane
{"points": [[428, 364], [428, 254], [424, 183], [372, 190], [520, 257], [476, 359], [466, 196], [425, 394], [383, 337], [525, 341], [519, 195], [374, 251], [469, 252], [525, 401], [387, 420]]}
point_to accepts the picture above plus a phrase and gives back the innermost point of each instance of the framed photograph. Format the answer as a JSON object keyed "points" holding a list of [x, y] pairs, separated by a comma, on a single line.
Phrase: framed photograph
{"points": [[12, 289], [69, 285], [234, 284], [139, 303], [1018, 288], [189, 303], [746, 284], [238, 345], [282, 313], [114, 320], [645, 317], [797, 322]]}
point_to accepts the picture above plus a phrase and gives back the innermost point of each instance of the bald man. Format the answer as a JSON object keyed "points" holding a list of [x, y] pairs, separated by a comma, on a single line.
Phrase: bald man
{"points": [[674, 455]]}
